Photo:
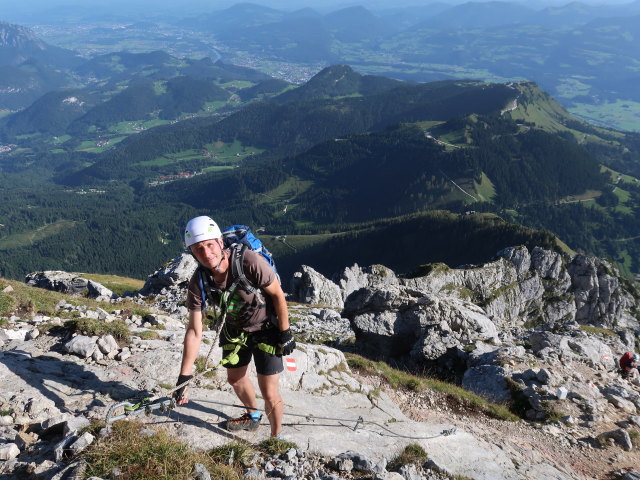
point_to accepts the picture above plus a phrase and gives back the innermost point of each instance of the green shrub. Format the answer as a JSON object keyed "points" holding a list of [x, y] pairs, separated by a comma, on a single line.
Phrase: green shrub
{"points": [[88, 326], [6, 304], [400, 379], [238, 453], [411, 454], [603, 332], [275, 446], [201, 366], [148, 457], [148, 335]]}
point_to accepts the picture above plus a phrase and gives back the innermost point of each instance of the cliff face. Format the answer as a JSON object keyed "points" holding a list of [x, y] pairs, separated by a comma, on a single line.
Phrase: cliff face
{"points": [[529, 329]]}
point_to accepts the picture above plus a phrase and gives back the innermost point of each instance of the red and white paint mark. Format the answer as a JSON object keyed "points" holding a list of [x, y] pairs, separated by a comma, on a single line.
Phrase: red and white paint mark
{"points": [[290, 363]]}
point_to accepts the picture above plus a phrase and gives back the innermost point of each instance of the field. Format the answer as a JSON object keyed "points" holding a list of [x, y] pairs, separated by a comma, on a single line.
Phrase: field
{"points": [[116, 283], [92, 146], [17, 240], [624, 114], [218, 155], [128, 128]]}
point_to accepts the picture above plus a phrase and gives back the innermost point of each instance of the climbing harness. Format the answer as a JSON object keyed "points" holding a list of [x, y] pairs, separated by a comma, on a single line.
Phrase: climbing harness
{"points": [[166, 402]]}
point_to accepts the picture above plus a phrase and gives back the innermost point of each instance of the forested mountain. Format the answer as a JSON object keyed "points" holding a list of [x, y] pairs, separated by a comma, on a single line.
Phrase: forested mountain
{"points": [[585, 55], [331, 172], [19, 44], [294, 126], [338, 81], [50, 114], [30, 67]]}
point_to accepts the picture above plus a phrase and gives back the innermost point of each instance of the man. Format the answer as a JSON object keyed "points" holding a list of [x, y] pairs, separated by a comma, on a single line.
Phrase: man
{"points": [[629, 366], [258, 320]]}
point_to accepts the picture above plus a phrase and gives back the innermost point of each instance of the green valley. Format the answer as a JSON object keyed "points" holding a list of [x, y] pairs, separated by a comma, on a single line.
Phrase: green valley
{"points": [[461, 168]]}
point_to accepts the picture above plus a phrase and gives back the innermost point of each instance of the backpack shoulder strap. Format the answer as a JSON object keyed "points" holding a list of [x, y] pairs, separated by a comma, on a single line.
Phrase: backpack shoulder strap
{"points": [[237, 269]]}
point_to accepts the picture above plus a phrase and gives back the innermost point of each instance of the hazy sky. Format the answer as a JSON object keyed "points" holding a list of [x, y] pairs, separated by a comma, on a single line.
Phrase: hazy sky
{"points": [[32, 11]]}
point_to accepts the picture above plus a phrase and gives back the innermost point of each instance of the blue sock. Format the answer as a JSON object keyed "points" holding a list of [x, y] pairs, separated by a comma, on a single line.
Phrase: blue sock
{"points": [[255, 415]]}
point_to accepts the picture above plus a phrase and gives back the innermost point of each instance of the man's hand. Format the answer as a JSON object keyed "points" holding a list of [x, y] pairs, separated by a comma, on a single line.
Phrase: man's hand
{"points": [[180, 395], [286, 342]]}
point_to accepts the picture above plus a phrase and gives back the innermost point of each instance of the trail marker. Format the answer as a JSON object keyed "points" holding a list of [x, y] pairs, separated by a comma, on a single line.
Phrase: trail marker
{"points": [[290, 363]]}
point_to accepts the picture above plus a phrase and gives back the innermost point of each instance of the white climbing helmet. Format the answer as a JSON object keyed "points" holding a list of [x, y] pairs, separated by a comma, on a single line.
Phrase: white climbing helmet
{"points": [[199, 229], [636, 357]]}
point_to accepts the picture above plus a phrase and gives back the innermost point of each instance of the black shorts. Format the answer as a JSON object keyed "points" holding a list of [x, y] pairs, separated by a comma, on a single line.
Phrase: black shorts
{"points": [[266, 363]]}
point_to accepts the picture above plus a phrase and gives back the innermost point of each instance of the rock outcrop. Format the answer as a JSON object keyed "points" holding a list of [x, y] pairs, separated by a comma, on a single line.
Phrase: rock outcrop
{"points": [[532, 329], [66, 282]]}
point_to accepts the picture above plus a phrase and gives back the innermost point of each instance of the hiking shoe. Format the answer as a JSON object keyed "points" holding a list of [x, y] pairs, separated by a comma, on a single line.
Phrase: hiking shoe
{"points": [[244, 422]]}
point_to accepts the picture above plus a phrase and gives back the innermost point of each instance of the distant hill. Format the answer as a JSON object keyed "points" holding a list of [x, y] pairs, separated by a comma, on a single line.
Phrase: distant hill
{"points": [[19, 44], [355, 24], [221, 72], [464, 163], [478, 15], [339, 81], [302, 39], [236, 17], [140, 100], [303, 36], [124, 65], [50, 114], [270, 87], [437, 236], [30, 67], [295, 126], [23, 84]]}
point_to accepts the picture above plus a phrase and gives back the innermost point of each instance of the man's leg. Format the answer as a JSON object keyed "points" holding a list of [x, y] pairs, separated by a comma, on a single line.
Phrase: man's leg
{"points": [[239, 380], [273, 405]]}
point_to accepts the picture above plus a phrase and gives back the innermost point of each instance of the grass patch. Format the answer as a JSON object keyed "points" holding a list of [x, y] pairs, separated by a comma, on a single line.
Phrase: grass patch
{"points": [[94, 427], [275, 446], [25, 299], [400, 379], [148, 335], [116, 284], [603, 332], [90, 327], [31, 237], [5, 307], [552, 415], [201, 366], [412, 454], [144, 457], [234, 453]]}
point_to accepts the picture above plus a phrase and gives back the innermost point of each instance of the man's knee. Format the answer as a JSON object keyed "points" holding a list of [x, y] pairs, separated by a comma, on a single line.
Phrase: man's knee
{"points": [[269, 387], [237, 376]]}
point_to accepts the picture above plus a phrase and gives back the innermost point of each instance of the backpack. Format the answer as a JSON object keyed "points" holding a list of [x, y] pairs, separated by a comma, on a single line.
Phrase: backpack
{"points": [[239, 238], [626, 360]]}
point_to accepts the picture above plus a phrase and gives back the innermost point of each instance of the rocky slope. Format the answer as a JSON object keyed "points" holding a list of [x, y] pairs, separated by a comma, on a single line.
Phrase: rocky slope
{"points": [[530, 327]]}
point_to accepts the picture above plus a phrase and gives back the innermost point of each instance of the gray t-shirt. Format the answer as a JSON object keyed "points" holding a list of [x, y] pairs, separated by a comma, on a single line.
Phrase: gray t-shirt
{"points": [[250, 312]]}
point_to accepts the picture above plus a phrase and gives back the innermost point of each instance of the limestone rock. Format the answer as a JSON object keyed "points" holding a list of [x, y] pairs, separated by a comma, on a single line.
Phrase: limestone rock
{"points": [[309, 286], [354, 278], [98, 290], [599, 298], [9, 451], [108, 345], [400, 321], [176, 272], [81, 345], [58, 281]]}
